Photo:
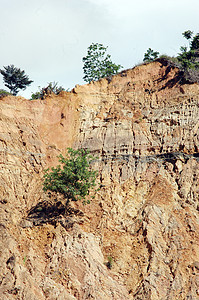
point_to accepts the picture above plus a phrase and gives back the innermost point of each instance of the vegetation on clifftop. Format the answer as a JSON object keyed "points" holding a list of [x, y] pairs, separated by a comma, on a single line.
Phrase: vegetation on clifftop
{"points": [[3, 93], [51, 88], [150, 55], [98, 64], [15, 79], [187, 60]]}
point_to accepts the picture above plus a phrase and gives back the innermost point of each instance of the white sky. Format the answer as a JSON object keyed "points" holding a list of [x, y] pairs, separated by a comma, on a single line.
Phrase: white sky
{"points": [[48, 38]]}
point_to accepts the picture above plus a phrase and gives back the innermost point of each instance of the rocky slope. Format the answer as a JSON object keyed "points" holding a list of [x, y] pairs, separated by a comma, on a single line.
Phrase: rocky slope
{"points": [[138, 239]]}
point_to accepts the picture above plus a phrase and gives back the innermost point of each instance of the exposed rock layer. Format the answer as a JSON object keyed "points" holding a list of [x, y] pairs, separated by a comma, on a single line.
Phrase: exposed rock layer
{"points": [[143, 127]]}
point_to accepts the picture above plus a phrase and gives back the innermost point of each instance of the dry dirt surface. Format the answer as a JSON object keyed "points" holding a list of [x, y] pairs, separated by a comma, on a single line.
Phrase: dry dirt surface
{"points": [[138, 239]]}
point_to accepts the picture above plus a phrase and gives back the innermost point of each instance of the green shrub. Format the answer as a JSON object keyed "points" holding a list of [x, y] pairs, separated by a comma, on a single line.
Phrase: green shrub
{"points": [[74, 179], [4, 93], [169, 58], [110, 262], [187, 60], [51, 88]]}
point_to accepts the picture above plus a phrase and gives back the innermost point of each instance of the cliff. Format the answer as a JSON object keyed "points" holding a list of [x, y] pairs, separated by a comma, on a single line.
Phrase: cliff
{"points": [[138, 239]]}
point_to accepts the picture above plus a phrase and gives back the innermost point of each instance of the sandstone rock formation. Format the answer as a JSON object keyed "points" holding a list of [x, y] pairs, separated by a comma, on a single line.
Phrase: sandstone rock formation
{"points": [[142, 125]]}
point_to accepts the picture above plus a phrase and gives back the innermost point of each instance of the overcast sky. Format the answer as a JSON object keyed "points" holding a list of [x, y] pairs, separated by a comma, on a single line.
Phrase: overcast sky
{"points": [[48, 38]]}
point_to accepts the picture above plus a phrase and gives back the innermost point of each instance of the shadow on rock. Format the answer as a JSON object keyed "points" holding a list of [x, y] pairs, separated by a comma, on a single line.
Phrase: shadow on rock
{"points": [[48, 212]]}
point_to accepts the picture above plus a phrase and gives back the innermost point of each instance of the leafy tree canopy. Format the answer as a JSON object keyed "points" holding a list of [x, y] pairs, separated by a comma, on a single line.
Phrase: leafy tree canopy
{"points": [[98, 64], [189, 56], [15, 79], [74, 179], [187, 34], [150, 55]]}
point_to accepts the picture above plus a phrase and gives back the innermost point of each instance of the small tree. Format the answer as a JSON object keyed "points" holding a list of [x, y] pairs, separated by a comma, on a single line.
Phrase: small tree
{"points": [[98, 64], [15, 79], [150, 55], [74, 180], [189, 56], [187, 34]]}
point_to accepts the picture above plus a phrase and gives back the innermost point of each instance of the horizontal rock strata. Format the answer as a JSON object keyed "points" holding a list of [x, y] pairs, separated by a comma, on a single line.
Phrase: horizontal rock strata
{"points": [[138, 239]]}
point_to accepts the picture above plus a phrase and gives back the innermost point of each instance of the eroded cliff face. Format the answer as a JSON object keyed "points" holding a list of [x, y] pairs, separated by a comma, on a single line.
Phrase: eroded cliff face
{"points": [[143, 127]]}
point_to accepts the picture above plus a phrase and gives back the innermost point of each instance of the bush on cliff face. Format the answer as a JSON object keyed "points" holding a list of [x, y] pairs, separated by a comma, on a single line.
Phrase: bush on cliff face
{"points": [[15, 79], [98, 64], [74, 179]]}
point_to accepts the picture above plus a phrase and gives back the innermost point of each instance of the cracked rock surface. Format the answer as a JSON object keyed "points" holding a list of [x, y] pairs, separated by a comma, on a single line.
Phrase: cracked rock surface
{"points": [[138, 239]]}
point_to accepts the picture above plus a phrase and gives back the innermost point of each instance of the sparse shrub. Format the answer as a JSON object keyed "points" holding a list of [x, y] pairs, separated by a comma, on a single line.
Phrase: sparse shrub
{"points": [[110, 262], [4, 93], [172, 59], [24, 260], [169, 61], [51, 88], [74, 180]]}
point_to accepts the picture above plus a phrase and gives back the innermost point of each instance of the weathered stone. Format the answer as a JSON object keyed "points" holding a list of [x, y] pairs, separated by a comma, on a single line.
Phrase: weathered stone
{"points": [[144, 219]]}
